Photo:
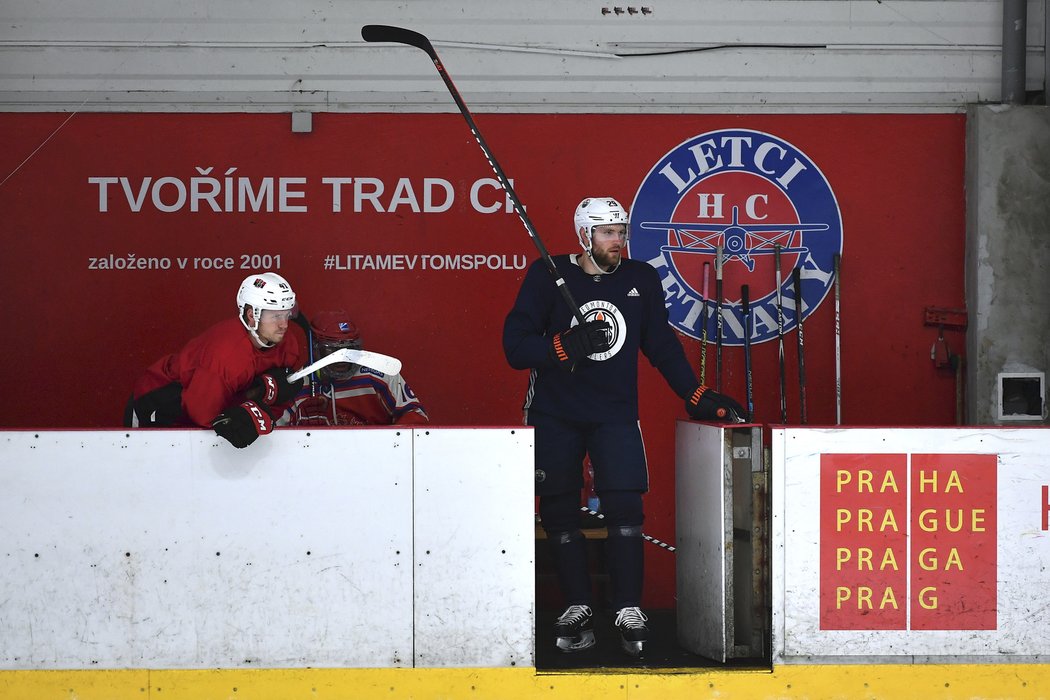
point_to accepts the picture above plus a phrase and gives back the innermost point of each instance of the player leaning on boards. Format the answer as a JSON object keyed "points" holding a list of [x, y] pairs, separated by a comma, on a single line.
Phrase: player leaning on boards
{"points": [[349, 393], [582, 398], [208, 381]]}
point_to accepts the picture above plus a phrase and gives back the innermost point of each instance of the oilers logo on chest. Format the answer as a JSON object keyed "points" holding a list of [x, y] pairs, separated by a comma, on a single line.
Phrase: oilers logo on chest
{"points": [[752, 194], [601, 310]]}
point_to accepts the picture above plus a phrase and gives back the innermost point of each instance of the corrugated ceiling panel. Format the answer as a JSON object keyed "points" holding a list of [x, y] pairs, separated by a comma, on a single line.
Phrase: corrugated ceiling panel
{"points": [[543, 56]]}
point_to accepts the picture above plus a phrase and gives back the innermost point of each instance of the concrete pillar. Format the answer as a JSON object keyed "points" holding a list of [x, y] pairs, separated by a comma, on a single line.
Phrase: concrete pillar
{"points": [[1007, 249]]}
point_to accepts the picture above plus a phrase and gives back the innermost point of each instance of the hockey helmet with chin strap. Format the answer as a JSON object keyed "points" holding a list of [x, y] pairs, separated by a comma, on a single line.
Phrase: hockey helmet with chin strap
{"points": [[262, 292], [333, 330], [597, 211]]}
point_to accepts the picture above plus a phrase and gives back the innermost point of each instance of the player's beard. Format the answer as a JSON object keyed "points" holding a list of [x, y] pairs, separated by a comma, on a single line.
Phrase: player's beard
{"points": [[606, 259]]}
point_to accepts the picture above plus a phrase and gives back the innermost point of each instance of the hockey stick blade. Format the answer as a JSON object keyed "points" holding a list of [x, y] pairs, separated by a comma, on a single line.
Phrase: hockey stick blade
{"points": [[372, 360], [397, 35]]}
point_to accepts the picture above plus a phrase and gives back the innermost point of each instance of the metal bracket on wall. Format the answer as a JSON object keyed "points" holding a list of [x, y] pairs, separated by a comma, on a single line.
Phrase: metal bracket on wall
{"points": [[940, 316], [955, 319]]}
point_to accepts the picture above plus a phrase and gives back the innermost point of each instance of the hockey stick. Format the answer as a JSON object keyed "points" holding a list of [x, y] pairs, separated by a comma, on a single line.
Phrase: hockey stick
{"points": [[648, 538], [373, 360], [780, 340], [718, 319], [399, 35], [796, 276], [304, 323], [838, 347], [703, 331], [745, 301]]}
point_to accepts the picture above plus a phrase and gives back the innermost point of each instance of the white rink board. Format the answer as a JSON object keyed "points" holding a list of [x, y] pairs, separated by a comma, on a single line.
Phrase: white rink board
{"points": [[1020, 631], [475, 548], [171, 549], [703, 533]]}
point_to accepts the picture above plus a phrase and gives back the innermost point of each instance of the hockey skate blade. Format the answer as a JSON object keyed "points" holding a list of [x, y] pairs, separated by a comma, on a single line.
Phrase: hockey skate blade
{"points": [[635, 649], [569, 645]]}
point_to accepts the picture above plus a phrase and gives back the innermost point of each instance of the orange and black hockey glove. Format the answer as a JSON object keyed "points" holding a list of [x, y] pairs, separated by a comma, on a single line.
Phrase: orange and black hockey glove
{"points": [[707, 404], [572, 345]]}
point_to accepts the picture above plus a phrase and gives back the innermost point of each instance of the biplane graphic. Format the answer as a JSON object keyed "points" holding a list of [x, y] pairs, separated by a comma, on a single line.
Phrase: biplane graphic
{"points": [[739, 241]]}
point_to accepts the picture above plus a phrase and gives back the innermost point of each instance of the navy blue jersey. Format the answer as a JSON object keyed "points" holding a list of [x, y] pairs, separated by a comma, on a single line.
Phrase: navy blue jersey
{"points": [[603, 387]]}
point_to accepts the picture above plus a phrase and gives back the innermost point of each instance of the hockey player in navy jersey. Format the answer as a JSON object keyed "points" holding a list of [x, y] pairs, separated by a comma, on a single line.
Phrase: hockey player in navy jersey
{"points": [[582, 399]]}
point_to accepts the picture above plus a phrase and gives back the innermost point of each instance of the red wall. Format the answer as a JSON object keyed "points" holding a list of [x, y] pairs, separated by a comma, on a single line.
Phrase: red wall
{"points": [[78, 337]]}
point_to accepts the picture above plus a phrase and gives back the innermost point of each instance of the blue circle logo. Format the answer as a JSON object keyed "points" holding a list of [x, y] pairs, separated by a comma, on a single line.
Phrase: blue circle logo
{"points": [[754, 197]]}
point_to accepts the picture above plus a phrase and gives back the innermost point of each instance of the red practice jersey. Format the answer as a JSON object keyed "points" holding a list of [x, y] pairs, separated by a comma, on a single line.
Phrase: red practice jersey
{"points": [[216, 367]]}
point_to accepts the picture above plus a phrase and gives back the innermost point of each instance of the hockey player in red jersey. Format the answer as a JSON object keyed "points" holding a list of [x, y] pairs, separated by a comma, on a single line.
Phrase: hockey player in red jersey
{"points": [[350, 394], [208, 381]]}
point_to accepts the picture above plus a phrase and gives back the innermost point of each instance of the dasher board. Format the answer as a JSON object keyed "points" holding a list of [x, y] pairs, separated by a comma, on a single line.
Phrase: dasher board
{"points": [[911, 544]]}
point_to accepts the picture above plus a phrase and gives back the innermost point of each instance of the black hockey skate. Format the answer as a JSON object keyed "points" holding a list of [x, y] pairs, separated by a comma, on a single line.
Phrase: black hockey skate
{"points": [[633, 632], [574, 629]]}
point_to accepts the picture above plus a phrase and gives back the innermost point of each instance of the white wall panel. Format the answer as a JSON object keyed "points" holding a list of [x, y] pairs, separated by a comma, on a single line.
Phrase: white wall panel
{"points": [[171, 549], [475, 546], [682, 55], [1015, 569], [704, 539]]}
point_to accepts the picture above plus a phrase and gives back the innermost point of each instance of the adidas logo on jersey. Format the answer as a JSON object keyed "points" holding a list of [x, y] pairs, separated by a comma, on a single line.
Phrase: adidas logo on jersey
{"points": [[633, 292]]}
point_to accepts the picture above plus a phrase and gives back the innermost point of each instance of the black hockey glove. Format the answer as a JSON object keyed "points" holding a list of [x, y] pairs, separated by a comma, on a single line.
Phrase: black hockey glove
{"points": [[572, 345], [707, 404], [243, 423], [272, 387]]}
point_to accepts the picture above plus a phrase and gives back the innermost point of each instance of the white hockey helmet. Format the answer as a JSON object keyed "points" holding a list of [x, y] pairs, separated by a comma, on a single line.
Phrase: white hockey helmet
{"points": [[597, 211], [260, 292]]}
